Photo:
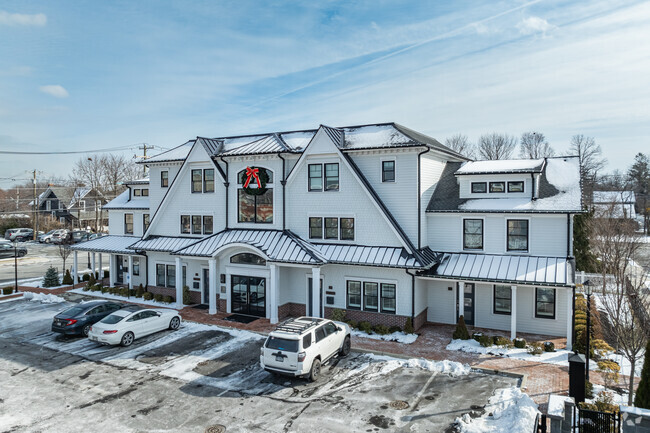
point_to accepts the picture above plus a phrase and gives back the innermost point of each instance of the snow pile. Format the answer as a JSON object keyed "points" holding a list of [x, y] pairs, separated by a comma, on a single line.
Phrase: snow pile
{"points": [[473, 346], [400, 337], [43, 298], [452, 368], [508, 410], [133, 299]]}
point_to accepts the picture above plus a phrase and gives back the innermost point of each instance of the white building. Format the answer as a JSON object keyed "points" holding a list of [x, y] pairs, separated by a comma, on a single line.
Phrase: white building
{"points": [[393, 224]]}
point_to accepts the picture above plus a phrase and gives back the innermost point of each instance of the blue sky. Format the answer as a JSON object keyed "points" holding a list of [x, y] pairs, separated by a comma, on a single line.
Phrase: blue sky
{"points": [[87, 75]]}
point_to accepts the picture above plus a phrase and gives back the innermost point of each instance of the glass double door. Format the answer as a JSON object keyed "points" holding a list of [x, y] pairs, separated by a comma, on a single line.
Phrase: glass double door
{"points": [[248, 295]]}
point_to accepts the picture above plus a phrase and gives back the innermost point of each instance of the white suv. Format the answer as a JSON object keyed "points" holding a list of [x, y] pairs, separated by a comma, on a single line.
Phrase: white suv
{"points": [[299, 346]]}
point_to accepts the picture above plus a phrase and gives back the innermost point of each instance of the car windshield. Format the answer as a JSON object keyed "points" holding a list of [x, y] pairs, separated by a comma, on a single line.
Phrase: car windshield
{"points": [[282, 344], [112, 319], [73, 311]]}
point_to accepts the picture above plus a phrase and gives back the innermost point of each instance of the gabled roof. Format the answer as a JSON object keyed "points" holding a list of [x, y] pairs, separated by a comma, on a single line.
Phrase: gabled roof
{"points": [[559, 192], [122, 202], [269, 144], [67, 195]]}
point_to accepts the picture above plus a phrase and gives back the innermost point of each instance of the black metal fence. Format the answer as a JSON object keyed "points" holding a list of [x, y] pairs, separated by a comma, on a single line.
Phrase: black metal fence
{"points": [[591, 421]]}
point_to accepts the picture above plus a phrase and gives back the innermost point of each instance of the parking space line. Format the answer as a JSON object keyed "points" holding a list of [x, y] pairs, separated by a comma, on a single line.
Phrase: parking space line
{"points": [[419, 395]]}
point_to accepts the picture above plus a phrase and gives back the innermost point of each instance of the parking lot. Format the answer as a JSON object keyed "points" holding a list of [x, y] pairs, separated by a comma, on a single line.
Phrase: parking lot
{"points": [[202, 376]]}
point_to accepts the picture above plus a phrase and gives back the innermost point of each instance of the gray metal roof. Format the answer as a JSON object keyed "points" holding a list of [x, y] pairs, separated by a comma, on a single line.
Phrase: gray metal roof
{"points": [[278, 246], [269, 144], [388, 257], [162, 243], [502, 166], [179, 153], [543, 271], [107, 244]]}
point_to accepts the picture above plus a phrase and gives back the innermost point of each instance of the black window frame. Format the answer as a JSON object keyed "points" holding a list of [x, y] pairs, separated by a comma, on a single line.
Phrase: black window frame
{"points": [[316, 223], [499, 182], [240, 192], [476, 184], [366, 296], [508, 235], [160, 267], [537, 302], [384, 171], [145, 192], [189, 224], [128, 224], [465, 247], [145, 222], [197, 224], [495, 297], [347, 230], [248, 259], [382, 297], [325, 177], [171, 284], [516, 182], [137, 192], [207, 182], [164, 178], [310, 177], [196, 182], [336, 229], [135, 264], [347, 295], [205, 230]]}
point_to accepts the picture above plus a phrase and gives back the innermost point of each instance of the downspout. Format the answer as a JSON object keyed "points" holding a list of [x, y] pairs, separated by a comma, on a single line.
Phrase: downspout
{"points": [[284, 184], [532, 186], [412, 297], [568, 235], [420, 197], [573, 323], [146, 269], [226, 184]]}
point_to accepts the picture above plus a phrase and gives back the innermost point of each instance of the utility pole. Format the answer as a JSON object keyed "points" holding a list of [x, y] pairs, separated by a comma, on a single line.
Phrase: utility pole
{"points": [[35, 206], [144, 148]]}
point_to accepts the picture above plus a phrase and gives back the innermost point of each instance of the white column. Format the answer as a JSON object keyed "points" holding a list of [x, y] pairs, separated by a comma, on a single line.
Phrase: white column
{"points": [[569, 319], [75, 266], [513, 313], [273, 286], [315, 292], [461, 298], [130, 271], [212, 278], [101, 269], [92, 263], [179, 282], [111, 270]]}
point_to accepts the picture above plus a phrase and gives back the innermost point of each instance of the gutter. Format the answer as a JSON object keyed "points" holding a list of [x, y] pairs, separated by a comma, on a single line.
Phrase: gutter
{"points": [[226, 184], [284, 195], [428, 149]]}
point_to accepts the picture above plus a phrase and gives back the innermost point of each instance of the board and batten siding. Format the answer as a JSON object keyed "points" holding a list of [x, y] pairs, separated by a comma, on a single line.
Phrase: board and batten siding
{"points": [[547, 233]]}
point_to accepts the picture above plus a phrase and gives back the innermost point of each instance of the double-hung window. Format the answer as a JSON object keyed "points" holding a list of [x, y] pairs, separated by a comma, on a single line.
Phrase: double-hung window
{"points": [[315, 177], [165, 275], [347, 229], [323, 177], [164, 179], [502, 300], [331, 177], [387, 298], [472, 234], [171, 276], [185, 224], [331, 228], [197, 181], [315, 228], [160, 275], [136, 266], [517, 235], [196, 224], [354, 294], [208, 180], [388, 171], [207, 225], [128, 223], [145, 222], [544, 303], [370, 296]]}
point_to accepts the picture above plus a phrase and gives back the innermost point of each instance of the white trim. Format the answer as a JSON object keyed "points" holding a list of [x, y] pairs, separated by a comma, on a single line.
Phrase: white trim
{"points": [[381, 169], [462, 234], [253, 271], [338, 239], [507, 218], [309, 275], [379, 282], [241, 245]]}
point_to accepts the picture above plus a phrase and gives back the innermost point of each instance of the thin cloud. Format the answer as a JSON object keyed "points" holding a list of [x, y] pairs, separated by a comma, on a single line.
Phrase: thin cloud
{"points": [[55, 90], [531, 25], [9, 19]]}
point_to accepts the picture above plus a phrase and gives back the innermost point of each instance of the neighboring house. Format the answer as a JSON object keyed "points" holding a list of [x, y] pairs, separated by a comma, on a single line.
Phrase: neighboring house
{"points": [[72, 206], [391, 224], [614, 204]]}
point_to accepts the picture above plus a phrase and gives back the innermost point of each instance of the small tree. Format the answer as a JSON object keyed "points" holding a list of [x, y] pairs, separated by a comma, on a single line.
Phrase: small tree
{"points": [[642, 397], [92, 281], [187, 299], [67, 278], [51, 278], [64, 250], [461, 332]]}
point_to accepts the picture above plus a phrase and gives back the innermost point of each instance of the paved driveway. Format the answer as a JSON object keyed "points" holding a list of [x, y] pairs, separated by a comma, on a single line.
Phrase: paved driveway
{"points": [[201, 375]]}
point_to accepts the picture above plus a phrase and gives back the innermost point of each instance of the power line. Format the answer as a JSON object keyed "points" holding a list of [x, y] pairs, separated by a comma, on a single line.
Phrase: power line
{"points": [[71, 152]]}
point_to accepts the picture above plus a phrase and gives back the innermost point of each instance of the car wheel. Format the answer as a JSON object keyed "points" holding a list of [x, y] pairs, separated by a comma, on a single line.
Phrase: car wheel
{"points": [[85, 330], [314, 372], [127, 339], [345, 349], [47, 241], [175, 323]]}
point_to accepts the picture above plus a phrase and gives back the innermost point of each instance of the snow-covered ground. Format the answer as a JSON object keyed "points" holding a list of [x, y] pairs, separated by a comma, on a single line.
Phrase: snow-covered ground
{"points": [[559, 357], [130, 299], [400, 337], [508, 410], [45, 298]]}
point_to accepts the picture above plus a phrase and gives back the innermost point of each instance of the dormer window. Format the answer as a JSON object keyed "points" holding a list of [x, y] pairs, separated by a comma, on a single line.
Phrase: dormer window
{"points": [[145, 192], [479, 187], [388, 171], [516, 186], [164, 179], [137, 193], [497, 187]]}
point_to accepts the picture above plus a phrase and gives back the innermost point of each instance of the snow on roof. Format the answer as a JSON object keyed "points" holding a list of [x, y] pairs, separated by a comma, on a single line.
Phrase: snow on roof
{"points": [[556, 405], [365, 137], [107, 244], [163, 243], [143, 181], [298, 140], [178, 153], [502, 166], [122, 202], [268, 144], [614, 197]]}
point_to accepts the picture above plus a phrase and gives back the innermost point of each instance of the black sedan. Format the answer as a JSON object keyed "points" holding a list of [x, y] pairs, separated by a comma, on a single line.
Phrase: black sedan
{"points": [[7, 250], [77, 320]]}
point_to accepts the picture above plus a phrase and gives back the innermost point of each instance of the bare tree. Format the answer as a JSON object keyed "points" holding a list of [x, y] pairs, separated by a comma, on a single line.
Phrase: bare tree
{"points": [[64, 252], [496, 146], [626, 323], [533, 145], [460, 143], [591, 162], [117, 169]]}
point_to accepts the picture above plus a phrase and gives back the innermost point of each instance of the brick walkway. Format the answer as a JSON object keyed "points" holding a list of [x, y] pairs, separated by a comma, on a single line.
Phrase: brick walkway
{"points": [[541, 379]]}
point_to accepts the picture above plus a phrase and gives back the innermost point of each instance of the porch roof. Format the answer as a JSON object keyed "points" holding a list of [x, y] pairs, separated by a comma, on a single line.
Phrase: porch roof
{"points": [[163, 243], [107, 244], [391, 257], [544, 271], [279, 246]]}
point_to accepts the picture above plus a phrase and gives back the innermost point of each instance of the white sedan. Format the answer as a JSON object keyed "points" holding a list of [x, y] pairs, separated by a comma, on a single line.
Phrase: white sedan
{"points": [[125, 325]]}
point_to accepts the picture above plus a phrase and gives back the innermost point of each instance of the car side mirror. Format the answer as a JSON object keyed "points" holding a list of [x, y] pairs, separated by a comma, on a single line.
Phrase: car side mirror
{"points": [[338, 328]]}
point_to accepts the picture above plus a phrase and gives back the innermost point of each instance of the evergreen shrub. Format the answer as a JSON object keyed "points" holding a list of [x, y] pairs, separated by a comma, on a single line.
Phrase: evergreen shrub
{"points": [[461, 330], [147, 296], [519, 343], [408, 326], [67, 278], [51, 278]]}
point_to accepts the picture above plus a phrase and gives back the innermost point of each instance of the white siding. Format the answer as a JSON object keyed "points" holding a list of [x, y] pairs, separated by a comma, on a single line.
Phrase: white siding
{"points": [[432, 169], [441, 301], [547, 233], [116, 222], [156, 192], [465, 183]]}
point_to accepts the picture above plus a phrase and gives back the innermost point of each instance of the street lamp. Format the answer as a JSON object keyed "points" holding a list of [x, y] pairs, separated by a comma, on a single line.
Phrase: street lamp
{"points": [[15, 267], [587, 286]]}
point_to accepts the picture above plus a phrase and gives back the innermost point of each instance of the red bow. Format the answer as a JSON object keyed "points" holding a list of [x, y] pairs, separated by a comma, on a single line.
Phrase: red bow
{"points": [[252, 173]]}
